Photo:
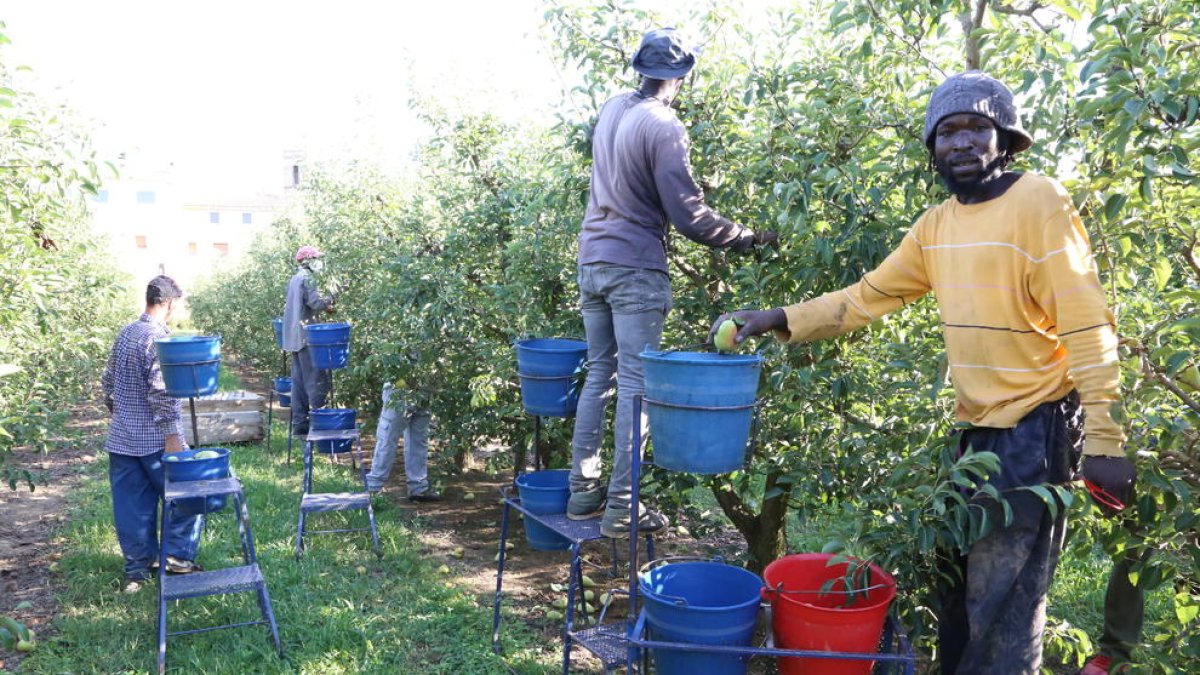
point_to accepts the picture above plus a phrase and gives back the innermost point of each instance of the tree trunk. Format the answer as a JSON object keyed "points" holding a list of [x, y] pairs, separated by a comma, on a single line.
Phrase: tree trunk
{"points": [[764, 532]]}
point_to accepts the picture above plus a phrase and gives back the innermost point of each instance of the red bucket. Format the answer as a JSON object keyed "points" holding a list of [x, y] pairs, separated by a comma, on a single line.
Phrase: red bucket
{"points": [[804, 617]]}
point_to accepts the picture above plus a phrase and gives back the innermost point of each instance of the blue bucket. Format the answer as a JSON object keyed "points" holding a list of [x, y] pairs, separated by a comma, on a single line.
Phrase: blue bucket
{"points": [[329, 344], [545, 492], [283, 389], [324, 419], [706, 603], [183, 466], [700, 407], [277, 322], [548, 368], [190, 365]]}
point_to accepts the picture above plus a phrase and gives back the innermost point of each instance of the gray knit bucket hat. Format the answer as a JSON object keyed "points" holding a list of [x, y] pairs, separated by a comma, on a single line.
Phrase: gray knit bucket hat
{"points": [[979, 94]]}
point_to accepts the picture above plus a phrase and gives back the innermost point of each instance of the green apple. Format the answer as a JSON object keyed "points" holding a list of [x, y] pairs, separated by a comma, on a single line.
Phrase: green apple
{"points": [[724, 340], [206, 454]]}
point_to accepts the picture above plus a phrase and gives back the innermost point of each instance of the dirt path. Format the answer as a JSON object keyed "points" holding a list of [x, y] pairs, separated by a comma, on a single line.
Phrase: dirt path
{"points": [[28, 520]]}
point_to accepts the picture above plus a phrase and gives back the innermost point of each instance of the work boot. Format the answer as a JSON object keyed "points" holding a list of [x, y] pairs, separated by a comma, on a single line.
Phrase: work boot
{"points": [[615, 524], [586, 504]]}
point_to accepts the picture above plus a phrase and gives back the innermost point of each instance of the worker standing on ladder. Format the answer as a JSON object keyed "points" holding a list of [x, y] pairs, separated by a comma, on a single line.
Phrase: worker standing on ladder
{"points": [[310, 385], [146, 424]]}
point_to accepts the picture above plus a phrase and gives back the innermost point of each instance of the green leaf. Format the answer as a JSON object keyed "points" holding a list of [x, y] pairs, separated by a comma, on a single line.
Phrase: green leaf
{"points": [[1187, 608]]}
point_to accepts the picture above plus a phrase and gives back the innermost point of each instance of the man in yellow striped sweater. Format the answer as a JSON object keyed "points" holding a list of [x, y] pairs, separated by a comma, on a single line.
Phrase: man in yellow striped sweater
{"points": [[1030, 343]]}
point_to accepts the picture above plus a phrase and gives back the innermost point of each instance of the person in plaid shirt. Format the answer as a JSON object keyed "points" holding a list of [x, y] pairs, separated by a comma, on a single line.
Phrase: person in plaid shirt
{"points": [[146, 423]]}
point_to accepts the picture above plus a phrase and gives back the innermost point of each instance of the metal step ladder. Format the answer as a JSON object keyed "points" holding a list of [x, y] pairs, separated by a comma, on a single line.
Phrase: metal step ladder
{"points": [[324, 502], [603, 640], [241, 579]]}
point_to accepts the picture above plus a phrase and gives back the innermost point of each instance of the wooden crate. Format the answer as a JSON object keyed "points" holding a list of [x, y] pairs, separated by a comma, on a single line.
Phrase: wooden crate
{"points": [[227, 417]]}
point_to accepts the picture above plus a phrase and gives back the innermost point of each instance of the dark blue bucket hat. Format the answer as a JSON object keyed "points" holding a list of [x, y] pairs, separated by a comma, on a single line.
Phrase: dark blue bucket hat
{"points": [[663, 55]]}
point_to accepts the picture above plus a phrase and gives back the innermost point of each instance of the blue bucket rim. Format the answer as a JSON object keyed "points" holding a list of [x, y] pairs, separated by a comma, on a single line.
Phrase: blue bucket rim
{"points": [[544, 472], [661, 598], [178, 339], [331, 411], [701, 358], [568, 344], [334, 325], [189, 455]]}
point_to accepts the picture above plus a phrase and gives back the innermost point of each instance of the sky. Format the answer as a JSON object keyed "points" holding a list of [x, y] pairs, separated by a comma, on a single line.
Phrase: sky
{"points": [[221, 89]]}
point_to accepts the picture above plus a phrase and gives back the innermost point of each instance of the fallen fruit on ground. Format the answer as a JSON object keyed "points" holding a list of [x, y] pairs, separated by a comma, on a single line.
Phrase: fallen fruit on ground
{"points": [[444, 569]]}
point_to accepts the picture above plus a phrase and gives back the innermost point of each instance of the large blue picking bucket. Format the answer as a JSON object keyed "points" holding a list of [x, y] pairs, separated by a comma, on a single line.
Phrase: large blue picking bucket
{"points": [[548, 368], [707, 603], [701, 407], [190, 365], [277, 323], [324, 419], [329, 344], [283, 389], [183, 466], [545, 492]]}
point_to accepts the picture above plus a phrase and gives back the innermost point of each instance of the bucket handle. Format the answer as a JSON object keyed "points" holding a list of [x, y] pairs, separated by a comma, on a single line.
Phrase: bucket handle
{"points": [[658, 562], [680, 406], [767, 591]]}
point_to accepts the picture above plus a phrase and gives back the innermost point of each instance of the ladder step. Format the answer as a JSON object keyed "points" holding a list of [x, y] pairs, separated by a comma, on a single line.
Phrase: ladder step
{"points": [[606, 641], [228, 580], [201, 488], [331, 435], [334, 501]]}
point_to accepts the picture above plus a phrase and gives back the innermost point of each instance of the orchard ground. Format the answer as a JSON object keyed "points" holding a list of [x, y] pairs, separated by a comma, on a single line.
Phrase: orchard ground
{"points": [[339, 610]]}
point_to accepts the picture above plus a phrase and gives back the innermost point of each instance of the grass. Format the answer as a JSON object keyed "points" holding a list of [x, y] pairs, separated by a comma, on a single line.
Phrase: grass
{"points": [[340, 609]]}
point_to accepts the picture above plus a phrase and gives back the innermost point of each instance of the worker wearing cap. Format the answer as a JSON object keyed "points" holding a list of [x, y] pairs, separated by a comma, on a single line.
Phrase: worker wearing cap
{"points": [[641, 181], [1032, 352], [310, 385]]}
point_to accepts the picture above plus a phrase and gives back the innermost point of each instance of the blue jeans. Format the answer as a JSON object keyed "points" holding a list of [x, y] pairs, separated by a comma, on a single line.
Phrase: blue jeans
{"points": [[310, 387], [137, 488], [623, 313], [413, 422]]}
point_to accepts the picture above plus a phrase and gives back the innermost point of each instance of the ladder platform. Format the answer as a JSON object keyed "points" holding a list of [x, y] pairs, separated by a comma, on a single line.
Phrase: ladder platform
{"points": [[331, 435], [606, 642], [228, 580], [576, 530], [201, 488], [334, 501]]}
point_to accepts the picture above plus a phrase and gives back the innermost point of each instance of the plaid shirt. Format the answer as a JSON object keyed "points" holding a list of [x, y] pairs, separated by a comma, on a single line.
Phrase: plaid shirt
{"points": [[142, 412]]}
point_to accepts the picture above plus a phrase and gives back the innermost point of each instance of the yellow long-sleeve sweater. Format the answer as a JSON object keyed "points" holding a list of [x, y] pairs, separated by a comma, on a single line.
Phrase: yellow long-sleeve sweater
{"points": [[1023, 312]]}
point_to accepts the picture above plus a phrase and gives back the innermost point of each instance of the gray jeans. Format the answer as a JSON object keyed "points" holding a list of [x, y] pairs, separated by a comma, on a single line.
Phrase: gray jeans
{"points": [[397, 417], [623, 313], [310, 388]]}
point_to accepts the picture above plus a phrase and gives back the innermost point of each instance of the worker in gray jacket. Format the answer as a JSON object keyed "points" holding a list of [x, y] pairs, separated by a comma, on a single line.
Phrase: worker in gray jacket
{"points": [[310, 385], [641, 180]]}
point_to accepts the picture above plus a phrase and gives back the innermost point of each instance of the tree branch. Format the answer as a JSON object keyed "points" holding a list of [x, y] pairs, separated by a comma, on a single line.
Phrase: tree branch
{"points": [[970, 22], [1154, 373]]}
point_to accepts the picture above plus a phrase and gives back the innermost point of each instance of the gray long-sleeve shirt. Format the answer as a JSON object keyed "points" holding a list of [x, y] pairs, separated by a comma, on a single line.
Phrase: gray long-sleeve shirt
{"points": [[641, 179], [303, 301]]}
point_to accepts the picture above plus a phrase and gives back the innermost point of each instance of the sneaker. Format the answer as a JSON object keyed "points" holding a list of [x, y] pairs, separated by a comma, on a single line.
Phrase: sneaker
{"points": [[133, 586], [586, 504], [180, 566], [1102, 665], [425, 497], [615, 524]]}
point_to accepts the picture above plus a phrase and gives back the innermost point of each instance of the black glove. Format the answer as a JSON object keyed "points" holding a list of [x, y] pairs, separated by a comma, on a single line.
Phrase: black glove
{"points": [[766, 238], [1110, 481]]}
